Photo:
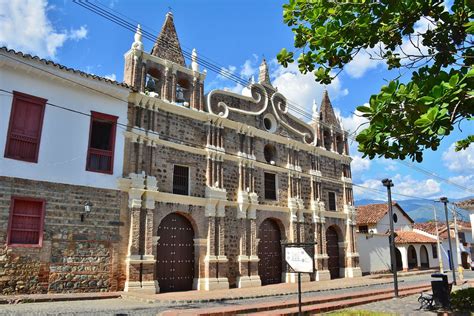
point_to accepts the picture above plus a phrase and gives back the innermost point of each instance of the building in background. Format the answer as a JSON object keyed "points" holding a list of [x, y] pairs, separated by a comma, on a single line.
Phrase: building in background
{"points": [[414, 249], [62, 153], [217, 182], [462, 242]]}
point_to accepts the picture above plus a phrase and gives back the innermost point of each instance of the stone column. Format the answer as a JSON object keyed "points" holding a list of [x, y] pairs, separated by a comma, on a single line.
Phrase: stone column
{"points": [[253, 247], [133, 281], [173, 86], [166, 86]]}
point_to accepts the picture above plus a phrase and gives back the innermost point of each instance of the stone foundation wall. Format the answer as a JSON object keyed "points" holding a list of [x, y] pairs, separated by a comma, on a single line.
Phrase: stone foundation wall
{"points": [[75, 256]]}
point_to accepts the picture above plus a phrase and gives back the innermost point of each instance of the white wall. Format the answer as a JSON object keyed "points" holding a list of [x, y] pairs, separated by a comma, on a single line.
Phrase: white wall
{"points": [[402, 223], [65, 135], [374, 253]]}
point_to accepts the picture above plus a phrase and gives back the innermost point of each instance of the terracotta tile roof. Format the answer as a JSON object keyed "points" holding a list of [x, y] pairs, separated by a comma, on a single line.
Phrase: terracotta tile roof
{"points": [[429, 227], [467, 204], [411, 237], [4, 50], [373, 213]]}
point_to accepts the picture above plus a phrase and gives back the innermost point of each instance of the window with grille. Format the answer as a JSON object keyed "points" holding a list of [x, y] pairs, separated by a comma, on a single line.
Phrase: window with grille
{"points": [[332, 201], [100, 155], [25, 227], [363, 229], [434, 248], [181, 180], [270, 186], [24, 131]]}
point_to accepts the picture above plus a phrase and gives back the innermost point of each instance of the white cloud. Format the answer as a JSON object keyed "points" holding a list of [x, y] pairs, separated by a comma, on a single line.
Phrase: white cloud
{"points": [[302, 89], [111, 77], [403, 184], [25, 26], [360, 164], [460, 161], [362, 63], [78, 34]]}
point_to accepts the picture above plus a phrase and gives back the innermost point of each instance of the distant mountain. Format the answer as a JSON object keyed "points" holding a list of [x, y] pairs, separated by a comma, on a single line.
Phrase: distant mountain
{"points": [[421, 210]]}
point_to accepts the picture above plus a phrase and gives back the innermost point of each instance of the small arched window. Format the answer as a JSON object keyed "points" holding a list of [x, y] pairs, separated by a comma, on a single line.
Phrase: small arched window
{"points": [[269, 152]]}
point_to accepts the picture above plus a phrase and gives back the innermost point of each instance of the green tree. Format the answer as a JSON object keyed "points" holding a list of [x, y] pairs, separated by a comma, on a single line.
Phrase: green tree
{"points": [[404, 117]]}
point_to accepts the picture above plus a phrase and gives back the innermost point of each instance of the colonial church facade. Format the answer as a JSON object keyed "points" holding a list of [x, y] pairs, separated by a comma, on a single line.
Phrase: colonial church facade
{"points": [[153, 185], [217, 182]]}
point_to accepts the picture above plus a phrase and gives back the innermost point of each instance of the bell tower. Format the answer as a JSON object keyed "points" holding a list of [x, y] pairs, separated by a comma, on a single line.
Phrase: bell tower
{"points": [[163, 73]]}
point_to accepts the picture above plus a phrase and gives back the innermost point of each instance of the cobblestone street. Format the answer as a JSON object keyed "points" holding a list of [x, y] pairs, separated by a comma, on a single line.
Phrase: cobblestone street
{"points": [[403, 306]]}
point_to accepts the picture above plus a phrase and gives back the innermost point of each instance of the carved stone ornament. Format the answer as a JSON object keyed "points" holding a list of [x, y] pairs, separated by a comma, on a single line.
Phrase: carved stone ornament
{"points": [[221, 103]]}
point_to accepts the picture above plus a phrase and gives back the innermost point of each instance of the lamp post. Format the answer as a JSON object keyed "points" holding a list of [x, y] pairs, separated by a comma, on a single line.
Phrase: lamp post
{"points": [[388, 184], [444, 200]]}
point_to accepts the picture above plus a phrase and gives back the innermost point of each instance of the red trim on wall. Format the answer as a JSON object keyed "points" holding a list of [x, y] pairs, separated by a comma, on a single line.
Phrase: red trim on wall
{"points": [[97, 116], [19, 96], [41, 228]]}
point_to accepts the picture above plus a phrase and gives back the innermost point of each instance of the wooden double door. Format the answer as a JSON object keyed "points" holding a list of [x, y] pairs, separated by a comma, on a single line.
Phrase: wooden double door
{"points": [[175, 254], [332, 248], [269, 253]]}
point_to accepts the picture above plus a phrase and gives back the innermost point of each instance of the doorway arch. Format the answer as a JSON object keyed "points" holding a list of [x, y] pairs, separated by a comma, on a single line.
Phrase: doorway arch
{"points": [[332, 248], [424, 259], [269, 252], [412, 260], [175, 254], [398, 259]]}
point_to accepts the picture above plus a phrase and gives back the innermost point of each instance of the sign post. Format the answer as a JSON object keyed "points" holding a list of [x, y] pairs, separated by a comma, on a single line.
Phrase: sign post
{"points": [[299, 258]]}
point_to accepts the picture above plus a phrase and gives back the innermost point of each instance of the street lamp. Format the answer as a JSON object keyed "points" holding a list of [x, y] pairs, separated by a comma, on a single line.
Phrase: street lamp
{"points": [[388, 184], [445, 201]]}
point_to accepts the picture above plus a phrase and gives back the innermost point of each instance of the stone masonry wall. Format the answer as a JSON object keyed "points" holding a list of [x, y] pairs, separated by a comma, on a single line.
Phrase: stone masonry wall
{"points": [[75, 256]]}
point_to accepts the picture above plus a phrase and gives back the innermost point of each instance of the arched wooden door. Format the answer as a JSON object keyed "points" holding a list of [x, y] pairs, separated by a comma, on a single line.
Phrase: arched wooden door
{"points": [[175, 254], [269, 252], [332, 246], [424, 260]]}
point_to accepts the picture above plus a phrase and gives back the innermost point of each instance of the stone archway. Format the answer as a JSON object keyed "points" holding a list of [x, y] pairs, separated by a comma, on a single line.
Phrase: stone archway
{"points": [[269, 252], [175, 254], [398, 259], [332, 249], [424, 259], [412, 259]]}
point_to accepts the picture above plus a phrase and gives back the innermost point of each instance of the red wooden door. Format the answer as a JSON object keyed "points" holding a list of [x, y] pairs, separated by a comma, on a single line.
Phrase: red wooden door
{"points": [[269, 253], [175, 254], [332, 246]]}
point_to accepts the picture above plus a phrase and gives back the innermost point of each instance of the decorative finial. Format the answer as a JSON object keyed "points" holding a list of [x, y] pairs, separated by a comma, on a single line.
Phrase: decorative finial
{"points": [[315, 111], [263, 76], [252, 79], [137, 43], [194, 64]]}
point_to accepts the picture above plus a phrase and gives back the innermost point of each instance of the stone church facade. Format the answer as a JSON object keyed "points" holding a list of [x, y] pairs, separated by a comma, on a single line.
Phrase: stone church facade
{"points": [[217, 182]]}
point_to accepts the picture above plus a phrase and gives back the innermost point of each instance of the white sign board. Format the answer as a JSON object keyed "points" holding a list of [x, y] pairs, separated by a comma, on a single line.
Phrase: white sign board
{"points": [[298, 259]]}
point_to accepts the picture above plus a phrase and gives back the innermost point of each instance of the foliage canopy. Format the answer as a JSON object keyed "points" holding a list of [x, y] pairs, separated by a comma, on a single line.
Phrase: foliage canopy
{"points": [[434, 43]]}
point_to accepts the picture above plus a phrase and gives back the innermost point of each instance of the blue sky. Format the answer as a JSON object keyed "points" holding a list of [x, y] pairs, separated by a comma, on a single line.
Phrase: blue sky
{"points": [[236, 35]]}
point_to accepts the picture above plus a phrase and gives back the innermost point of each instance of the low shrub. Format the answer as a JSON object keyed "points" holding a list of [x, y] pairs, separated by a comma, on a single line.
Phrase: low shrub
{"points": [[463, 300]]}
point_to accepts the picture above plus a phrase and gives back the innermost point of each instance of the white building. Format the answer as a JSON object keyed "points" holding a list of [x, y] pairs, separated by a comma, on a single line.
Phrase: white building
{"points": [[461, 243], [63, 150], [414, 250]]}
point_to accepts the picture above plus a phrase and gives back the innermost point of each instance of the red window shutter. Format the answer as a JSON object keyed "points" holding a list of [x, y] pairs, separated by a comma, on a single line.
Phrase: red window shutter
{"points": [[100, 154], [24, 132], [26, 222]]}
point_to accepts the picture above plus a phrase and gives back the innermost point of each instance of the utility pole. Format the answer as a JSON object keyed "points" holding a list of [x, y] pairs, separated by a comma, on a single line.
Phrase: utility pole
{"points": [[444, 200], [388, 184], [456, 238], [298, 241], [440, 257]]}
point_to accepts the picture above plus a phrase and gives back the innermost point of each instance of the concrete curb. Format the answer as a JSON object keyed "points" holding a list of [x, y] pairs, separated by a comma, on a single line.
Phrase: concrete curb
{"points": [[39, 298]]}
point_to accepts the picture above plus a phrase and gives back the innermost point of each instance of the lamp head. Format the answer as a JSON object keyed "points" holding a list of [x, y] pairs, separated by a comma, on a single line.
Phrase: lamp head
{"points": [[443, 199], [387, 183]]}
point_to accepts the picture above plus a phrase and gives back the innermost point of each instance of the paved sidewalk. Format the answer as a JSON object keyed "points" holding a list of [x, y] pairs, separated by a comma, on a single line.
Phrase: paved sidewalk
{"points": [[253, 292]]}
